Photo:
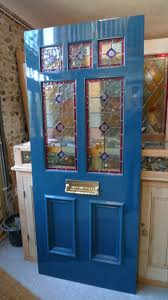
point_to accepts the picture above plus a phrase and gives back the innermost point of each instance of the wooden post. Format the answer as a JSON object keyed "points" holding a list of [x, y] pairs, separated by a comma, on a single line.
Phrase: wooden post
{"points": [[22, 76]]}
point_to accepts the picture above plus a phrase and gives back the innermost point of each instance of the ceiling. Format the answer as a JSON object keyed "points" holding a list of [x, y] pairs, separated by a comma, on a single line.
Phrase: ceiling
{"points": [[46, 13]]}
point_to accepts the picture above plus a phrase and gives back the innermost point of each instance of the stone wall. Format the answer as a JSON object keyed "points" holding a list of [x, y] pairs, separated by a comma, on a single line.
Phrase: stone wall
{"points": [[11, 34]]}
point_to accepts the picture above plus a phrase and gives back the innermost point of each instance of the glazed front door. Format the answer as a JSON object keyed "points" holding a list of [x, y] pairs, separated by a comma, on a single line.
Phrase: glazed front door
{"points": [[84, 86]]}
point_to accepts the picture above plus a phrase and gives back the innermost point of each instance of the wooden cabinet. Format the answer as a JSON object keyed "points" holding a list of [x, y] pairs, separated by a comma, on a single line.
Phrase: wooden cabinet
{"points": [[25, 198], [153, 247]]}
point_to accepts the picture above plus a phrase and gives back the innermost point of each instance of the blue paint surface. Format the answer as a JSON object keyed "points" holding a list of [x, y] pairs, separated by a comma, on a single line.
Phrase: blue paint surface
{"points": [[115, 189]]}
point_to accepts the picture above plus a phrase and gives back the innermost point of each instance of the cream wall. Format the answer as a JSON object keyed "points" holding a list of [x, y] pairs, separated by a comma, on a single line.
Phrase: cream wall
{"points": [[156, 46]]}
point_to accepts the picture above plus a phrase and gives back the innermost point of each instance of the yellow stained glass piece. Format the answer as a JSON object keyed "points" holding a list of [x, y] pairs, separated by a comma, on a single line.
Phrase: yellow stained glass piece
{"points": [[86, 61], [105, 47], [95, 89]]}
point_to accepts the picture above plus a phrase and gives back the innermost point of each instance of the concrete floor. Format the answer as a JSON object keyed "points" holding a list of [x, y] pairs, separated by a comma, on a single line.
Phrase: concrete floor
{"points": [[48, 288]]}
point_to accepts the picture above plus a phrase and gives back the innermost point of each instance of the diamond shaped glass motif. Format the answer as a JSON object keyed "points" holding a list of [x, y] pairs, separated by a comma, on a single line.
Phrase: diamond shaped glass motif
{"points": [[111, 52], [61, 154], [58, 98], [51, 58], [59, 112], [104, 111], [60, 127], [80, 55], [104, 127], [104, 97], [104, 156]]}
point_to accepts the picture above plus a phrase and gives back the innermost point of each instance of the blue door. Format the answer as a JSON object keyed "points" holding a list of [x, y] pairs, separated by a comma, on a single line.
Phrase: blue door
{"points": [[84, 84]]}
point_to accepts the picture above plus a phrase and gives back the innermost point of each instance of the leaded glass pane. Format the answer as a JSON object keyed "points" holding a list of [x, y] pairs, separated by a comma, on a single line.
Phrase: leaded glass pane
{"points": [[80, 55], [155, 90], [51, 58], [104, 107], [59, 108], [111, 52]]}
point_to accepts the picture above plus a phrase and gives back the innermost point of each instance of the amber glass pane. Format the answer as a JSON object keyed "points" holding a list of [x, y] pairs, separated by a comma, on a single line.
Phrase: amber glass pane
{"points": [[60, 124], [51, 58], [80, 55], [111, 52], [155, 90], [104, 107]]}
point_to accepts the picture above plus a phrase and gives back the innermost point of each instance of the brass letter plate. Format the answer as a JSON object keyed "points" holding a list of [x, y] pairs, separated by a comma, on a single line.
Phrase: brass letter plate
{"points": [[82, 187]]}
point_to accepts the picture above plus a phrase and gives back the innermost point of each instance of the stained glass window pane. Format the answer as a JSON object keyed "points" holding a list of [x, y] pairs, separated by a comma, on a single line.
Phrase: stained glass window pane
{"points": [[111, 52], [155, 90], [59, 108], [80, 55], [104, 109], [51, 58]]}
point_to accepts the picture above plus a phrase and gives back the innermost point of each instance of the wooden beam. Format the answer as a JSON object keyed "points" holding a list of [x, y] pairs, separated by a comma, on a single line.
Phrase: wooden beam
{"points": [[22, 76], [155, 152]]}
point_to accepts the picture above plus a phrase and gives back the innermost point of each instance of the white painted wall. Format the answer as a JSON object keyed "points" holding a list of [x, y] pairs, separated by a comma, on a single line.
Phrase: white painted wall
{"points": [[156, 46]]}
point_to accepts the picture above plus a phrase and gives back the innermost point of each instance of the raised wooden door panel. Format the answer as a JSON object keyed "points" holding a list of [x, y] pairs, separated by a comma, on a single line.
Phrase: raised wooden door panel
{"points": [[153, 252]]}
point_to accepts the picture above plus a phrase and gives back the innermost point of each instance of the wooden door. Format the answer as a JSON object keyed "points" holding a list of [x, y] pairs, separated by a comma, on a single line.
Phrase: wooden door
{"points": [[85, 86]]}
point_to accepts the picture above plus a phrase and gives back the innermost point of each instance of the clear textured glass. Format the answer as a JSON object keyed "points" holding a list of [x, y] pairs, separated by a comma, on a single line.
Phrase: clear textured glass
{"points": [[104, 108], [51, 58], [59, 107], [111, 52]]}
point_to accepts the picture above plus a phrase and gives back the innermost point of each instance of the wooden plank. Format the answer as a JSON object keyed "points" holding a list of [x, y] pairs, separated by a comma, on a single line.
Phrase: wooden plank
{"points": [[159, 228], [29, 210], [153, 137], [22, 76], [22, 213], [158, 283], [154, 175], [155, 152], [152, 183], [11, 163]]}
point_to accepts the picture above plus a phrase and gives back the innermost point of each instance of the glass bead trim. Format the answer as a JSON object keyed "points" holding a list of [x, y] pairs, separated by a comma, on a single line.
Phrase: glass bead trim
{"points": [[104, 125], [51, 58], [59, 115], [155, 94], [111, 52], [80, 55]]}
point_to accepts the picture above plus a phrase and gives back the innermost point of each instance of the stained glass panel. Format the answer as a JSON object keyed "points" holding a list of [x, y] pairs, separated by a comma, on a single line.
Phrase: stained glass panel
{"points": [[111, 52], [59, 107], [155, 91], [80, 55], [51, 58], [104, 108]]}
